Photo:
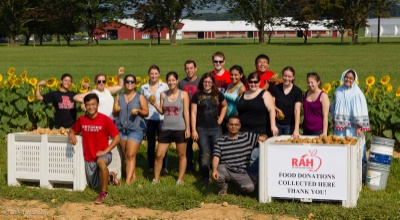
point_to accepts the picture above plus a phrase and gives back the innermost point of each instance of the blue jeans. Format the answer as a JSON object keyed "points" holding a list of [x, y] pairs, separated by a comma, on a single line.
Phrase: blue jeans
{"points": [[153, 130], [285, 129], [207, 138]]}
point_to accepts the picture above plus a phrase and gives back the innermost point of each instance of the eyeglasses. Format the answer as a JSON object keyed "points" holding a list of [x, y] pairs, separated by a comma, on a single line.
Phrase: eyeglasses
{"points": [[253, 82], [129, 81], [230, 124], [101, 81], [207, 82], [218, 61]]}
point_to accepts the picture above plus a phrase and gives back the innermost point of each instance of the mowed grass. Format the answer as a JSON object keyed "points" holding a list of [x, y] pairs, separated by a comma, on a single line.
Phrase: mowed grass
{"points": [[327, 57], [168, 196]]}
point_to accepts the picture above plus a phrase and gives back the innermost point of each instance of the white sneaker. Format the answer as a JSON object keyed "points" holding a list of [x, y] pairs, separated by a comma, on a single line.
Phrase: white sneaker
{"points": [[180, 182], [154, 182]]}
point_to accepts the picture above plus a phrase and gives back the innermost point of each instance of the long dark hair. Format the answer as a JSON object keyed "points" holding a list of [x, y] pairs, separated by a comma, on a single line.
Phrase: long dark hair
{"points": [[214, 89]]}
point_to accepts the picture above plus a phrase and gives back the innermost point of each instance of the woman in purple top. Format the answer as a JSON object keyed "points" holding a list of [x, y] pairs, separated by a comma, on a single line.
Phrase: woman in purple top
{"points": [[316, 107]]}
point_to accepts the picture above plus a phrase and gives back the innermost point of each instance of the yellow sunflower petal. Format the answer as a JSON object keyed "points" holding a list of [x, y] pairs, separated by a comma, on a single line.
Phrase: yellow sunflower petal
{"points": [[385, 79], [31, 98], [398, 92], [327, 88], [138, 81], [11, 71], [33, 81], [370, 81], [51, 82], [1, 77]]}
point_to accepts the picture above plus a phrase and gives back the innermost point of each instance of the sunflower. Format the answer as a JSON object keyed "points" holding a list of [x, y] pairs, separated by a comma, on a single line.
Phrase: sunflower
{"points": [[33, 81], [370, 81], [358, 82], [58, 86], [385, 80], [146, 79], [1, 77], [31, 98], [110, 84], [73, 86], [109, 78], [51, 82], [335, 84], [23, 76], [83, 89], [163, 80], [85, 80], [33, 91], [398, 92], [11, 71], [388, 87], [327, 88], [138, 81], [115, 79]]}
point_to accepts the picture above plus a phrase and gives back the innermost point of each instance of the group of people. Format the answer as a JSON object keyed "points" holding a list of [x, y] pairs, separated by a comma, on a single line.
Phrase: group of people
{"points": [[226, 113]]}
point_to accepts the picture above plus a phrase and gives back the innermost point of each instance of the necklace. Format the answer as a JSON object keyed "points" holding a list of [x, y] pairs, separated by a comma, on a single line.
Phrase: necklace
{"points": [[172, 96]]}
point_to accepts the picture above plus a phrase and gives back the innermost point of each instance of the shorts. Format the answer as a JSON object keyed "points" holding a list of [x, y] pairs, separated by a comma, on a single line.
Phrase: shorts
{"points": [[136, 136], [168, 136], [92, 170]]}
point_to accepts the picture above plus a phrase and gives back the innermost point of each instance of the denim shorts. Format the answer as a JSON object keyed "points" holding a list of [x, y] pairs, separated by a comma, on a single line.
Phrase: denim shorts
{"points": [[136, 136]]}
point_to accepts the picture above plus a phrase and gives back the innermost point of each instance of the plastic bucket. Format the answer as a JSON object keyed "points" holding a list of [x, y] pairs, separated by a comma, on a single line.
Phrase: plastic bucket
{"points": [[381, 151], [377, 176]]}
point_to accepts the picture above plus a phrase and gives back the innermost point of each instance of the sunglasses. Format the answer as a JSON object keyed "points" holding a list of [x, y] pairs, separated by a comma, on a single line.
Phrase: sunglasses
{"points": [[129, 81], [218, 61], [101, 81], [253, 82]]}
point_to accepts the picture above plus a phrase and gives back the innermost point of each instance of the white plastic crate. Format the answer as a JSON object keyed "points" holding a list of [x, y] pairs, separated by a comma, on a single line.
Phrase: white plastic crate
{"points": [[45, 158], [308, 172]]}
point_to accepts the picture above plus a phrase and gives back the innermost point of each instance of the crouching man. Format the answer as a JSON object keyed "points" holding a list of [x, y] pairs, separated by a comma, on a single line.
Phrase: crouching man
{"points": [[96, 128], [232, 156]]}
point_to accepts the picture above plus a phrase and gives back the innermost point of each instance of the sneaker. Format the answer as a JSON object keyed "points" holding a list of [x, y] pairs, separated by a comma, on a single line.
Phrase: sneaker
{"points": [[165, 171], [154, 182], [180, 182], [101, 197], [114, 179], [222, 192]]}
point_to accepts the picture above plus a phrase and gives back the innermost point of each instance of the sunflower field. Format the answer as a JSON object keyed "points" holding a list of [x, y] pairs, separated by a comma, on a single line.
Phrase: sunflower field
{"points": [[20, 111]]}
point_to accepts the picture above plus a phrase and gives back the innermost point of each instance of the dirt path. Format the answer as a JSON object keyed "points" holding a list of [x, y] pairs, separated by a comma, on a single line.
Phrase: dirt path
{"points": [[19, 209]]}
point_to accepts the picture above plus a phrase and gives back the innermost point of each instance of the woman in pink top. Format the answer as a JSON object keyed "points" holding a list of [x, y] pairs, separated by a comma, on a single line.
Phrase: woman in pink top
{"points": [[316, 107]]}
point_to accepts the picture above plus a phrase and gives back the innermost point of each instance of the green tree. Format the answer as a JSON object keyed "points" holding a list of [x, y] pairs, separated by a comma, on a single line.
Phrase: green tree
{"points": [[261, 13], [152, 17], [12, 19], [302, 14]]}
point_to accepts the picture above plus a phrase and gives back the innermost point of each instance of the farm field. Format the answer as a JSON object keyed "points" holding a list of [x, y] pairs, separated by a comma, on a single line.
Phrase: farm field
{"points": [[327, 57], [323, 56]]}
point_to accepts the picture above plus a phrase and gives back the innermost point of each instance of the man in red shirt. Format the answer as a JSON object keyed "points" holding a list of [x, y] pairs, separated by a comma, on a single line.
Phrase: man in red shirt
{"points": [[96, 128], [221, 75], [268, 78]]}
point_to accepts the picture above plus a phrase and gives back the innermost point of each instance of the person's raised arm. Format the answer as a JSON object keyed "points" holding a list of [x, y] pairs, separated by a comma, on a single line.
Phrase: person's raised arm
{"points": [[325, 112], [114, 89], [38, 94]]}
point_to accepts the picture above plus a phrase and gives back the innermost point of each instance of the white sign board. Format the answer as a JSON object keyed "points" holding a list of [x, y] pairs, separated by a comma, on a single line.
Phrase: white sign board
{"points": [[307, 171]]}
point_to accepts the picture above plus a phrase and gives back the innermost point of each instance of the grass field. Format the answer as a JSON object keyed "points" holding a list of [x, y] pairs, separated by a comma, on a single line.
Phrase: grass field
{"points": [[326, 56]]}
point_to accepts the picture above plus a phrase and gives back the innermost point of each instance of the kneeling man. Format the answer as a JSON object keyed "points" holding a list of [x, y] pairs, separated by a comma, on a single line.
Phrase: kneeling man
{"points": [[232, 156], [96, 128]]}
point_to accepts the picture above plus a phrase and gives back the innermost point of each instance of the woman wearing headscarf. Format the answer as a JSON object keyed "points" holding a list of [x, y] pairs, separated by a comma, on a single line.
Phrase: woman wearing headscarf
{"points": [[350, 111]]}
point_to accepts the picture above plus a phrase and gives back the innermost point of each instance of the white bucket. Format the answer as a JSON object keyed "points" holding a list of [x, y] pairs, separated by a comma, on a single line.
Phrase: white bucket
{"points": [[381, 151], [377, 176]]}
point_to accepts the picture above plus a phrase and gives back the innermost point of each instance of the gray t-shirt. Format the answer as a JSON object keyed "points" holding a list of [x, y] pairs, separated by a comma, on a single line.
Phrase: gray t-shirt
{"points": [[173, 113]]}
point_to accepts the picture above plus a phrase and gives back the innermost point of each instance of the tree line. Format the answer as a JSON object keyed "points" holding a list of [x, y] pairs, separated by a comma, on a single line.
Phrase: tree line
{"points": [[63, 18]]}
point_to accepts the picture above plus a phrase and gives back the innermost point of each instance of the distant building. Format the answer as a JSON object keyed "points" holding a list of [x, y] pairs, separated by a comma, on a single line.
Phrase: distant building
{"points": [[129, 29], [389, 27]]}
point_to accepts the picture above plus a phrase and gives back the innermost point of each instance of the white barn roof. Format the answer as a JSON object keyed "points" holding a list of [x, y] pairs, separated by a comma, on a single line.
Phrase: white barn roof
{"points": [[389, 27]]}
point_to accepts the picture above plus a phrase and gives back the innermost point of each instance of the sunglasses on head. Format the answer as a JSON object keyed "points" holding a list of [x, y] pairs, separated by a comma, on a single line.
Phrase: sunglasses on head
{"points": [[218, 61], [101, 81], [129, 81]]}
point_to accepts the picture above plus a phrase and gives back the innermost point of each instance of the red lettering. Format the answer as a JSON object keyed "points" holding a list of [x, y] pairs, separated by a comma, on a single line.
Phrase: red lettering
{"points": [[294, 162], [172, 111]]}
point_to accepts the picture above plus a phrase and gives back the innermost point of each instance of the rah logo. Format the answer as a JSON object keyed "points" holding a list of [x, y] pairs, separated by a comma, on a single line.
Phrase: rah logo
{"points": [[308, 161]]}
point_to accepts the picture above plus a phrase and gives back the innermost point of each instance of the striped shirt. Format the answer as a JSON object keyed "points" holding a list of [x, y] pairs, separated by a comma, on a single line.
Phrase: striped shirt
{"points": [[235, 153]]}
